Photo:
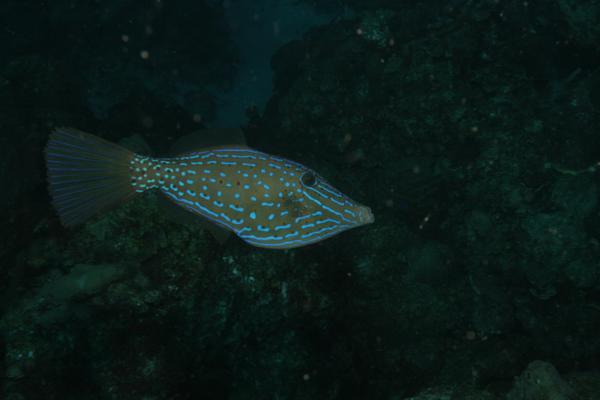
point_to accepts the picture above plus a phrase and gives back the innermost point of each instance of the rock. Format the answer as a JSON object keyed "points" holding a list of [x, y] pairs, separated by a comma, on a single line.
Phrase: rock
{"points": [[83, 281], [540, 381], [582, 16]]}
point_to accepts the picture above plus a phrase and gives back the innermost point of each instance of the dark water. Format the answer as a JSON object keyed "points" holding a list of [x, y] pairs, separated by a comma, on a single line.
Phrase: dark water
{"points": [[471, 128]]}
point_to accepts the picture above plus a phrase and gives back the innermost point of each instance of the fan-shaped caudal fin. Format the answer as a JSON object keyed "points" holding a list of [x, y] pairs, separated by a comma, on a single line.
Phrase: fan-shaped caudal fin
{"points": [[86, 174]]}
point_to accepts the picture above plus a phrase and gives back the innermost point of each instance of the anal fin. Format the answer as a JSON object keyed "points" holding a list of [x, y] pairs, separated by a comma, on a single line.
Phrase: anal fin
{"points": [[175, 213]]}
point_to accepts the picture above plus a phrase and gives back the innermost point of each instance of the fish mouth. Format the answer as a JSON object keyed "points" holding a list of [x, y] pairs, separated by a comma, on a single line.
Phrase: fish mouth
{"points": [[365, 216]]}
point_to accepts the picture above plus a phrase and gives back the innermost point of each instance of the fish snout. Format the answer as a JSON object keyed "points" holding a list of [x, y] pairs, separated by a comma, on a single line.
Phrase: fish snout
{"points": [[365, 215]]}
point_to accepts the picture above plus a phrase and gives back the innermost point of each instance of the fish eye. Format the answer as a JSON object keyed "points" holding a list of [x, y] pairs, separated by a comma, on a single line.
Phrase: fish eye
{"points": [[308, 179]]}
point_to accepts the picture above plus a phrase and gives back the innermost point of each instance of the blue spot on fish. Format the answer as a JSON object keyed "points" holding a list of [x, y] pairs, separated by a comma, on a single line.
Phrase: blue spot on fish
{"points": [[238, 209]]}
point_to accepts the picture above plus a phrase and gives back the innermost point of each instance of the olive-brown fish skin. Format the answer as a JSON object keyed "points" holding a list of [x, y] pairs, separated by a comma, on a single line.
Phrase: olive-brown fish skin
{"points": [[267, 201]]}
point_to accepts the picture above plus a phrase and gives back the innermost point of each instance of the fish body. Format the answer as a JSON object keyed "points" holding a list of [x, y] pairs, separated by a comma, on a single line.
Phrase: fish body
{"points": [[267, 201]]}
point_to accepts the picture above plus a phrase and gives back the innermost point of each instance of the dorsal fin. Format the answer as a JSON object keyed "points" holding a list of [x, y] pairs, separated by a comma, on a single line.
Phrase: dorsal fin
{"points": [[137, 144], [208, 138]]}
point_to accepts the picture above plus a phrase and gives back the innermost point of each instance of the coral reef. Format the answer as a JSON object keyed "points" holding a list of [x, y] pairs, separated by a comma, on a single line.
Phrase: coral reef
{"points": [[470, 128]]}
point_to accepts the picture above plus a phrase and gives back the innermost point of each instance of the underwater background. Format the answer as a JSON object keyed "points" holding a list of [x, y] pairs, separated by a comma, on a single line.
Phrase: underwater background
{"points": [[470, 127]]}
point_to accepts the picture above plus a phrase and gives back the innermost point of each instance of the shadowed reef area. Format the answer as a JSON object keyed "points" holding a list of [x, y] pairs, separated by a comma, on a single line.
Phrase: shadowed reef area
{"points": [[471, 128]]}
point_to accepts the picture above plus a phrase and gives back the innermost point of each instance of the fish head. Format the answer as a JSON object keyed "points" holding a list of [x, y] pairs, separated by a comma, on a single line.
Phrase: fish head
{"points": [[318, 196], [315, 210]]}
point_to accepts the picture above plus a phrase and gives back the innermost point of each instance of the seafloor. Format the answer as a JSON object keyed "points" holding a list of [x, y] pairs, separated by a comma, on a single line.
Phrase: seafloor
{"points": [[470, 127]]}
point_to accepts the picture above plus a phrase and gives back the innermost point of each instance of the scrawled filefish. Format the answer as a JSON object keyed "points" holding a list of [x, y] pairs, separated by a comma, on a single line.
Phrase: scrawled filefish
{"points": [[267, 201]]}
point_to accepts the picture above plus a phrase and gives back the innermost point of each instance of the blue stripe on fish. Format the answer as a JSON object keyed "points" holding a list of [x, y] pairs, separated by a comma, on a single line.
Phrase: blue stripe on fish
{"points": [[306, 210]]}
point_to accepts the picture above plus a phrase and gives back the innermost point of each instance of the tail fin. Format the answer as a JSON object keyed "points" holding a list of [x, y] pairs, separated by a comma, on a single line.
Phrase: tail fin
{"points": [[86, 174]]}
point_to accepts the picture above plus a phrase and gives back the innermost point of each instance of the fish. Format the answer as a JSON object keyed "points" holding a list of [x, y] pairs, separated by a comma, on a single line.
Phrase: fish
{"points": [[267, 201]]}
